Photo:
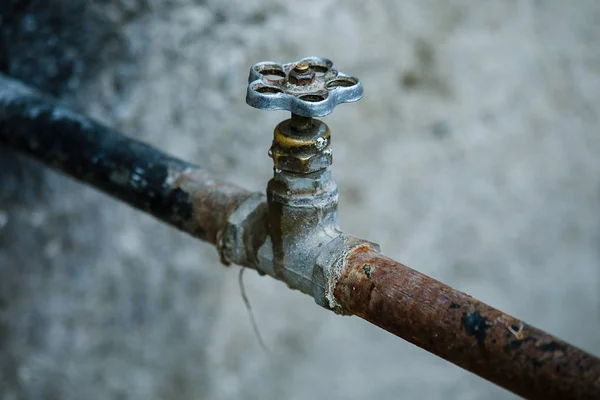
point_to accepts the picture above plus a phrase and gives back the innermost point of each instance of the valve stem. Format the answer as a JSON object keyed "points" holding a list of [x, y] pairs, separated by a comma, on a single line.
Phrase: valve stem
{"points": [[301, 123]]}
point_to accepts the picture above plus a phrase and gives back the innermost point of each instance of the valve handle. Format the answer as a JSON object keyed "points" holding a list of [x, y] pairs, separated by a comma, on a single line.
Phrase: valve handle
{"points": [[310, 87]]}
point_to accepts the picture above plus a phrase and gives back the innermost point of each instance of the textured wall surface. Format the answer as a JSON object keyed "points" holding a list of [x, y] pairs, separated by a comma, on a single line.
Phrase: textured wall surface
{"points": [[474, 158]]}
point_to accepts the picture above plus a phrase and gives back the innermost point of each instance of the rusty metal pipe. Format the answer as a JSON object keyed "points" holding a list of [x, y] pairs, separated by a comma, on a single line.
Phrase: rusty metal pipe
{"points": [[425, 312], [463, 330], [178, 193]]}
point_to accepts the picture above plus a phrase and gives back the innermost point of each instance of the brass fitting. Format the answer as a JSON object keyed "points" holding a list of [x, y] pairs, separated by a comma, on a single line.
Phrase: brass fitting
{"points": [[302, 74], [302, 152]]}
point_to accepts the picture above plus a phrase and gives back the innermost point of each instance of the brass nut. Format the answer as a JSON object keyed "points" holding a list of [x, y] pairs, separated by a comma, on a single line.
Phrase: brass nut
{"points": [[302, 163], [302, 75], [301, 153], [285, 186], [284, 137]]}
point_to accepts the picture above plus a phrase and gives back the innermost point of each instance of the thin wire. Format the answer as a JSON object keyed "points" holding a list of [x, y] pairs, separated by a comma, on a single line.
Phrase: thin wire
{"points": [[249, 308]]}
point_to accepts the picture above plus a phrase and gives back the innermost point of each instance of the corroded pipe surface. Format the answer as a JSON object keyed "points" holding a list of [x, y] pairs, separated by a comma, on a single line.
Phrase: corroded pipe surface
{"points": [[463, 330], [408, 304], [172, 190]]}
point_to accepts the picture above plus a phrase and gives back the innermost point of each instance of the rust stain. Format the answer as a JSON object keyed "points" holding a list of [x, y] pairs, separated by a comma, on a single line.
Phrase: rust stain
{"points": [[210, 201]]}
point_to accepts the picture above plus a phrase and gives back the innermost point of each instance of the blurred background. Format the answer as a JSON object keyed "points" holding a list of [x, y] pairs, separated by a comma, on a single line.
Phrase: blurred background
{"points": [[473, 158]]}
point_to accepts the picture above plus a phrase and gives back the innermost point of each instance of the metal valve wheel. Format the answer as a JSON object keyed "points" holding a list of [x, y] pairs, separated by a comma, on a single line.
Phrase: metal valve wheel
{"points": [[310, 87]]}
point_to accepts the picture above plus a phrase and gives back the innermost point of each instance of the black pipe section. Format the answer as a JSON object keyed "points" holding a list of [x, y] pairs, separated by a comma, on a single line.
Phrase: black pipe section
{"points": [[170, 189]]}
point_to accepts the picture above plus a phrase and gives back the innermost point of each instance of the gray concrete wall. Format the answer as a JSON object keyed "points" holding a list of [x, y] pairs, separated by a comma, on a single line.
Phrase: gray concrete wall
{"points": [[473, 158]]}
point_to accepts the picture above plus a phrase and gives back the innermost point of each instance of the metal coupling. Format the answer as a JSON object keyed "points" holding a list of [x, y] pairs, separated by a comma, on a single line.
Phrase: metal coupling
{"points": [[331, 262]]}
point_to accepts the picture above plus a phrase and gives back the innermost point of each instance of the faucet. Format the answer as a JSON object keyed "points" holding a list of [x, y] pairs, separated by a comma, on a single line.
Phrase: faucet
{"points": [[297, 239]]}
